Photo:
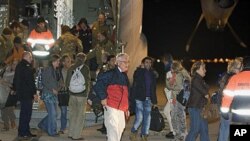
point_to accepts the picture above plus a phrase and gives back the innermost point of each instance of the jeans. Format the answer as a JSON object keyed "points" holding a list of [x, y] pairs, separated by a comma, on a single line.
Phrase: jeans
{"points": [[197, 125], [49, 123], [224, 130], [142, 116], [63, 117]]}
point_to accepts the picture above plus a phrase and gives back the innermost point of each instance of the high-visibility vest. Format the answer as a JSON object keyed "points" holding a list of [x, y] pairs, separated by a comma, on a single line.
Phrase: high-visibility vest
{"points": [[236, 97], [44, 39]]}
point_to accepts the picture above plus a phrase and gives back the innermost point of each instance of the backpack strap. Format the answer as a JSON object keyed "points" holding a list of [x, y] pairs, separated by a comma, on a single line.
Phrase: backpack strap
{"points": [[78, 68]]}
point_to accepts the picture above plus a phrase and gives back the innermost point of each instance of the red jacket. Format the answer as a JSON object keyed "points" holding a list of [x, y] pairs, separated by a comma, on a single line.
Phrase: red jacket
{"points": [[113, 85], [117, 97]]}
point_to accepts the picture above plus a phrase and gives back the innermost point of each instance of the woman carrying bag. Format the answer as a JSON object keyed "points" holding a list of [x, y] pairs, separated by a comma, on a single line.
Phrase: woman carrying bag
{"points": [[63, 95]]}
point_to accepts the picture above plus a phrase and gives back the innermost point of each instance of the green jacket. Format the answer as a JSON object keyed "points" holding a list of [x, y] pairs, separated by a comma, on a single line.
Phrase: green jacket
{"points": [[2, 49], [6, 46], [105, 46], [86, 74], [68, 44], [96, 28]]}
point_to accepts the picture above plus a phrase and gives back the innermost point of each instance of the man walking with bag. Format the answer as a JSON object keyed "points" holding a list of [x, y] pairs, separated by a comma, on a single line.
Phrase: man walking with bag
{"points": [[144, 91]]}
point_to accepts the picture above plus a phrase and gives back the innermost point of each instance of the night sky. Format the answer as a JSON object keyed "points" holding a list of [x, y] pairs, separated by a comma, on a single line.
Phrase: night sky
{"points": [[168, 24]]}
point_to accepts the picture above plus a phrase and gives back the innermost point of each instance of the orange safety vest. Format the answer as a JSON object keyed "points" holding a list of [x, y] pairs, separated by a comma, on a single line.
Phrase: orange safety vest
{"points": [[236, 97], [43, 38]]}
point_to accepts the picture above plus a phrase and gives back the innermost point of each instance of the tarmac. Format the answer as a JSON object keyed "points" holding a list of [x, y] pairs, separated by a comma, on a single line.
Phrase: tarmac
{"points": [[91, 134]]}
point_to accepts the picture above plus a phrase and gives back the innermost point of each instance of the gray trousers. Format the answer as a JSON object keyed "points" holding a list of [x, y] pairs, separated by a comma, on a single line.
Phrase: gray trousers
{"points": [[77, 110]]}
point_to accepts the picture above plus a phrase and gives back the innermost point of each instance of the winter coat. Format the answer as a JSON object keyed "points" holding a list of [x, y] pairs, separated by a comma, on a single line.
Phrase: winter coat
{"points": [[24, 82], [98, 52], [199, 89], [113, 85], [6, 46], [51, 79], [139, 85], [97, 28], [68, 44]]}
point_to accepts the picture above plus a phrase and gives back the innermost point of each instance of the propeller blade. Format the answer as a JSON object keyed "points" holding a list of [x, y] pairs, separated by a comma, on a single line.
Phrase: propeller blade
{"points": [[236, 36], [193, 33]]}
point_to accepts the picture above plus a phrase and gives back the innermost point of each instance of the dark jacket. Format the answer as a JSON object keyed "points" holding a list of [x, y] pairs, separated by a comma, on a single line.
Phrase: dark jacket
{"points": [[222, 84], [199, 89], [139, 85], [86, 37], [113, 85], [24, 82]]}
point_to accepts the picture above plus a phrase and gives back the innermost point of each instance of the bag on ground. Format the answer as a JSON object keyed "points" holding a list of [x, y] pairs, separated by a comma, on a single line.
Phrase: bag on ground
{"points": [[77, 81], [157, 121]]}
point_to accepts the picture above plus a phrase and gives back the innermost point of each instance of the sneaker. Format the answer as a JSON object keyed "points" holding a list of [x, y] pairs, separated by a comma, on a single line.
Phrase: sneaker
{"points": [[144, 138], [104, 132], [101, 129], [170, 135], [24, 137], [32, 135], [133, 136], [56, 135]]}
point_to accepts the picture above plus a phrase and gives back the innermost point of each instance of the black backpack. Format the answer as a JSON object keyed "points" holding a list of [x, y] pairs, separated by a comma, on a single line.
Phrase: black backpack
{"points": [[157, 121], [184, 94]]}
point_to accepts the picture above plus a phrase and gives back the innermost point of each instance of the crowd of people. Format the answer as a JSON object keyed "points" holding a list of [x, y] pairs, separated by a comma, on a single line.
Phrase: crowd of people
{"points": [[89, 49], [88, 53], [228, 99]]}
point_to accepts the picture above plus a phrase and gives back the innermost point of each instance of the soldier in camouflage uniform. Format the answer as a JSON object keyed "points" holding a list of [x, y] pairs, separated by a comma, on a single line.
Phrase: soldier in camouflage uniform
{"points": [[103, 47], [6, 44], [99, 26], [68, 43]]}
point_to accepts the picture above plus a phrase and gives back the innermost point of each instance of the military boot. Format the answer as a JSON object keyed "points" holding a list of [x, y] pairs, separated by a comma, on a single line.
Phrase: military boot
{"points": [[133, 136], [144, 138]]}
